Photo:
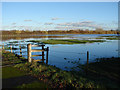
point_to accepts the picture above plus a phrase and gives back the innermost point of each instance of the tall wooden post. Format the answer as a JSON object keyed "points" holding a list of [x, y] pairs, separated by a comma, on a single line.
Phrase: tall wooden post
{"points": [[43, 53], [47, 55], [11, 48], [87, 62], [3, 46], [87, 57], [29, 52], [20, 51]]}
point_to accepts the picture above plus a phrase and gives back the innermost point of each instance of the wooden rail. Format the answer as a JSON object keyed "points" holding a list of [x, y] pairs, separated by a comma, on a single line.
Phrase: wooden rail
{"points": [[29, 51], [43, 50], [29, 46]]}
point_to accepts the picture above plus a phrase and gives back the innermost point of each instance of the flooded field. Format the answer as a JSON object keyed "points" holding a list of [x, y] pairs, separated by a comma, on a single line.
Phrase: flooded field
{"points": [[68, 55]]}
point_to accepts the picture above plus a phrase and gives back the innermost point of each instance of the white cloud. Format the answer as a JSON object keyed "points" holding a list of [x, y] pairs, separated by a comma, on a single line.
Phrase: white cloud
{"points": [[28, 20], [13, 24], [66, 27], [49, 23], [55, 18], [87, 24]]}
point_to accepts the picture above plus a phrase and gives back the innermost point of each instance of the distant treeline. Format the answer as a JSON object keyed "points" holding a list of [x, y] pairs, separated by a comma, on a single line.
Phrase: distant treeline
{"points": [[27, 32]]}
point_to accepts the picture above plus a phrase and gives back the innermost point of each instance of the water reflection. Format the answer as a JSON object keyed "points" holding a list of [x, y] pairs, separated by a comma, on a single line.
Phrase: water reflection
{"points": [[64, 56]]}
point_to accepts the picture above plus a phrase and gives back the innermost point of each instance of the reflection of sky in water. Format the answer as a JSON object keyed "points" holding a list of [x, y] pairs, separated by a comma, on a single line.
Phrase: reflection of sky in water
{"points": [[74, 52], [61, 55]]}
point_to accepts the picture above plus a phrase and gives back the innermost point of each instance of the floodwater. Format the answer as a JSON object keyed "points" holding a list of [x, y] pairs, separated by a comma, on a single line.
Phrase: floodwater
{"points": [[64, 55]]}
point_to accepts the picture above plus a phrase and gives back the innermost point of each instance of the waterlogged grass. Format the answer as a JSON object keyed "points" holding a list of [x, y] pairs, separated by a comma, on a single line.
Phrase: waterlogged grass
{"points": [[104, 70], [7, 48], [9, 72], [65, 41], [14, 42], [108, 67], [113, 38], [109, 37]]}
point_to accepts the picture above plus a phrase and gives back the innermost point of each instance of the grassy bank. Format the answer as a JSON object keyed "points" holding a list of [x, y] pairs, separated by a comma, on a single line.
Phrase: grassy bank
{"points": [[53, 76], [65, 41], [106, 70], [11, 58], [15, 78], [101, 74], [58, 78], [108, 67]]}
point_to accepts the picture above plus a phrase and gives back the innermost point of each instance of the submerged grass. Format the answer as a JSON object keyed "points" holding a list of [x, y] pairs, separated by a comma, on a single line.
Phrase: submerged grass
{"points": [[109, 37], [113, 38], [65, 41]]}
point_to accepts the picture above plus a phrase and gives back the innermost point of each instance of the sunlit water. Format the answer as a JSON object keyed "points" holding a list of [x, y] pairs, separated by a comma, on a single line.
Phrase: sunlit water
{"points": [[63, 56]]}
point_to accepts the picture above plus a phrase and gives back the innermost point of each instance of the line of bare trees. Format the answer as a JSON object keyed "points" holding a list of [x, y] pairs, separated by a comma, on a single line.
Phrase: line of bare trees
{"points": [[27, 32]]}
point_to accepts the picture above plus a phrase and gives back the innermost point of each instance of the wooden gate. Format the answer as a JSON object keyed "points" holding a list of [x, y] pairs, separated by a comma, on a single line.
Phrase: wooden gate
{"points": [[30, 50]]}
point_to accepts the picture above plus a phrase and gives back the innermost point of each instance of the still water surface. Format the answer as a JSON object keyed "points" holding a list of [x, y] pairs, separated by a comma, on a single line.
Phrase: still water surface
{"points": [[63, 55]]}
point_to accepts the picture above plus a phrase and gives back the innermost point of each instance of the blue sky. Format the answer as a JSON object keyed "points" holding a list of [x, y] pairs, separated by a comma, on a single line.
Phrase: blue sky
{"points": [[59, 15]]}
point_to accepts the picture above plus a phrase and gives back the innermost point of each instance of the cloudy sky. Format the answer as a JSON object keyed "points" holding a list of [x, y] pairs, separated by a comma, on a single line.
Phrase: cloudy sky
{"points": [[59, 15]]}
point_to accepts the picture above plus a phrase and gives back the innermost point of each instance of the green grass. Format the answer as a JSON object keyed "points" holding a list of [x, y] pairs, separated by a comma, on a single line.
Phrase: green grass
{"points": [[113, 38], [10, 58], [104, 73], [57, 78], [99, 38], [7, 48], [109, 37], [108, 67], [34, 84], [14, 42], [105, 70], [9, 72], [65, 41]]}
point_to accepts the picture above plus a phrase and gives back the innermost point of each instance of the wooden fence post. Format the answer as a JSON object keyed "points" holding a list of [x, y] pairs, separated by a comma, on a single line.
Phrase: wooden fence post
{"points": [[3, 46], [20, 51], [87, 57], [11, 48], [87, 62], [29, 52], [43, 53], [47, 55]]}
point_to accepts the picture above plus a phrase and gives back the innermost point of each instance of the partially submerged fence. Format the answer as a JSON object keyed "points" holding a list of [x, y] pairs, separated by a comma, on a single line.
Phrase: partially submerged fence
{"points": [[29, 51], [43, 50]]}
